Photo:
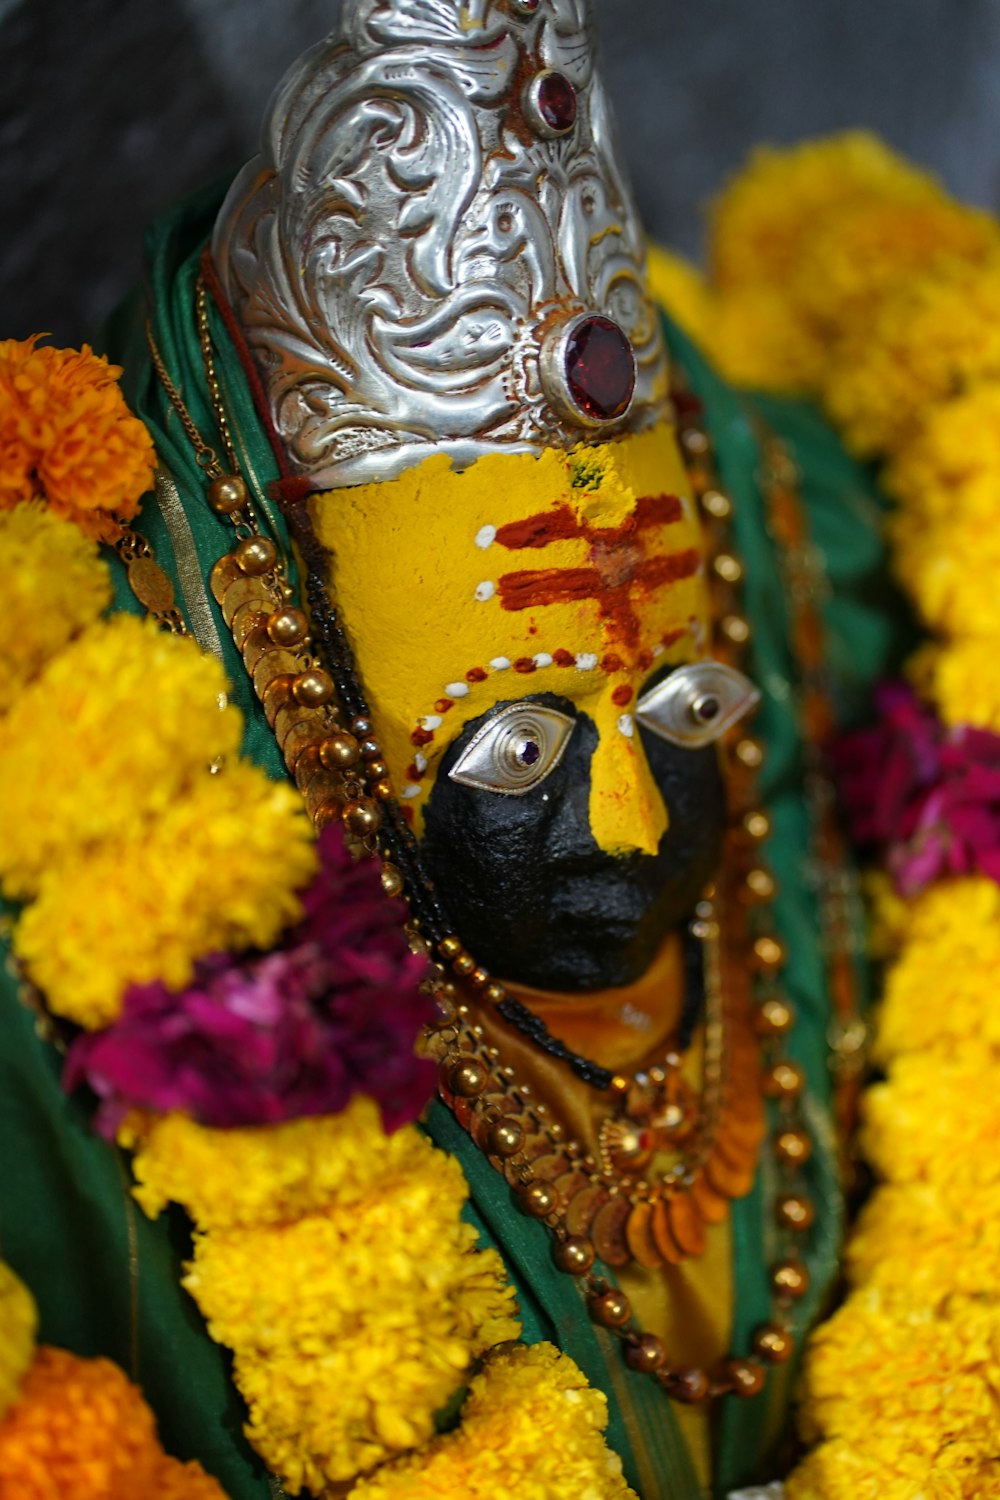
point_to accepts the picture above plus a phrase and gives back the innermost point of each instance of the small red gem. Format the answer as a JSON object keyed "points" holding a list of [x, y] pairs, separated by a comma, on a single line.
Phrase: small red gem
{"points": [[555, 98], [600, 368]]}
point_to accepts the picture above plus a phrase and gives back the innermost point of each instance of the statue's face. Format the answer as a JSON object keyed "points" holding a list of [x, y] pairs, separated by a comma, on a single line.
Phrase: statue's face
{"points": [[512, 625], [535, 897]]}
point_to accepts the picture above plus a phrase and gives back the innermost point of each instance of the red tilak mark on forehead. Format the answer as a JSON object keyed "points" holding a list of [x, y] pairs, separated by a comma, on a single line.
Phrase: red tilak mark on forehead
{"points": [[556, 525], [562, 523], [620, 570], [616, 596], [622, 695]]}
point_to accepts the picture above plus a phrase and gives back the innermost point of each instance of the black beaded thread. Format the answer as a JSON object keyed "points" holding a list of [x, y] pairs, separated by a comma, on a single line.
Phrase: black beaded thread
{"points": [[535, 1029], [693, 1008], [400, 845]]}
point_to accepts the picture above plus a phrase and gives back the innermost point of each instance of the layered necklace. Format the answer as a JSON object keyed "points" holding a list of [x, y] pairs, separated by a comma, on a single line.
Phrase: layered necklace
{"points": [[668, 1159]]}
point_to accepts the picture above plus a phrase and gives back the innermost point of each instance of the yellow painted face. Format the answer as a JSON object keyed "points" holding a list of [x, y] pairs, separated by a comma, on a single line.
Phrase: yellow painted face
{"points": [[577, 574]]}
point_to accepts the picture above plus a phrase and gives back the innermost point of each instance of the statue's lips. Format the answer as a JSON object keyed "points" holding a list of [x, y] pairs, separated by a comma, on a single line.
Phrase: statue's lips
{"points": [[610, 895]]}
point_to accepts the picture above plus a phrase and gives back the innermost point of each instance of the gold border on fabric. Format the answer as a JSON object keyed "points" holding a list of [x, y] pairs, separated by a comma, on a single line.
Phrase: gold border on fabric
{"points": [[189, 568]]}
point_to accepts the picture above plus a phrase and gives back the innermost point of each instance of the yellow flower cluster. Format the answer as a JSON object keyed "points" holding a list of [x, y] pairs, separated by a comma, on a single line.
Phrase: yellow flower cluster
{"points": [[219, 869], [18, 1325], [67, 436], [333, 1261], [930, 335], [805, 247], [781, 201], [106, 737], [947, 549], [940, 991], [892, 293], [79, 1428], [531, 1426], [905, 1398], [841, 272], [139, 839], [54, 585]]}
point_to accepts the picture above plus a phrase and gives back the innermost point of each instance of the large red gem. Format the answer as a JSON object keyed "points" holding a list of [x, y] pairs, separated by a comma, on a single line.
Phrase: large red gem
{"points": [[555, 98], [600, 368]]}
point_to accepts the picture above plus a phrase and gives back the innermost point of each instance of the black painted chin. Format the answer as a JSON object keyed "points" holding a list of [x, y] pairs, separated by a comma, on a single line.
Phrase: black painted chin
{"points": [[532, 895]]}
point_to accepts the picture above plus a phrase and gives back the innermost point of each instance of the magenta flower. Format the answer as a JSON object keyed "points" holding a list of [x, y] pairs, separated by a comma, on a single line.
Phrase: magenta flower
{"points": [[335, 1011], [928, 796]]}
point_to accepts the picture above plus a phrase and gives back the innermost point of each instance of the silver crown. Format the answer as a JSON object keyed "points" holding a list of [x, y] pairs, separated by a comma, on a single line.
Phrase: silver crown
{"points": [[437, 249]]}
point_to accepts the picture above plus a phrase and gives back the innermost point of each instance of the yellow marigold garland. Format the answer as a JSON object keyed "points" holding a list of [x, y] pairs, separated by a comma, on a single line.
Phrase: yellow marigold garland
{"points": [[103, 742], [531, 1426], [220, 869], [136, 859], [905, 1398], [958, 1232], [771, 211], [892, 301], [54, 584], [66, 435], [18, 1324], [941, 990], [333, 1261], [929, 335]]}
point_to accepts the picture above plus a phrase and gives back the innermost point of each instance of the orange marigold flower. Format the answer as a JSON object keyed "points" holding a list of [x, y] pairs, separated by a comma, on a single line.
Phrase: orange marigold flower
{"points": [[81, 1429], [67, 435]]}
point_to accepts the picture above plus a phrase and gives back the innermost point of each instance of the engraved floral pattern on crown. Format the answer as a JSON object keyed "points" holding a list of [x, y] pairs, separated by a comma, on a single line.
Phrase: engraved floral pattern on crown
{"points": [[437, 225]]}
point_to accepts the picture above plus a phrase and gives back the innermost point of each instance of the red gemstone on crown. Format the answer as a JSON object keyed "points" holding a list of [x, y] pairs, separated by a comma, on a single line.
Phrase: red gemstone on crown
{"points": [[555, 100], [600, 368]]}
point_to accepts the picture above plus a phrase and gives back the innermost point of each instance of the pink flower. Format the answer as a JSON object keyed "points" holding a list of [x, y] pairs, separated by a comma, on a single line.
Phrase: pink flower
{"points": [[333, 1012], [928, 795]]}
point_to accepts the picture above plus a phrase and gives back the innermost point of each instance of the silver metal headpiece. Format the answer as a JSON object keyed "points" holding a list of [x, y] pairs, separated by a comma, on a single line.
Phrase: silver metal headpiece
{"points": [[437, 249]]}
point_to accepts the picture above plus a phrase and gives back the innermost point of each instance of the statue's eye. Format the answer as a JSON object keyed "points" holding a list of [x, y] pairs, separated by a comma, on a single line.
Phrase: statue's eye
{"points": [[697, 703], [515, 750]]}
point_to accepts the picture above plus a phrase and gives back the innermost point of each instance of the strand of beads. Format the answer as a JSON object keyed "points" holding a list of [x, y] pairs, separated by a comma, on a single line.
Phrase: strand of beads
{"points": [[784, 1080]]}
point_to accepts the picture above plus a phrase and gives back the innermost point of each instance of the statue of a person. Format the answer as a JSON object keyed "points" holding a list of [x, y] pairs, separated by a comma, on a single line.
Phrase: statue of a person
{"points": [[555, 573]]}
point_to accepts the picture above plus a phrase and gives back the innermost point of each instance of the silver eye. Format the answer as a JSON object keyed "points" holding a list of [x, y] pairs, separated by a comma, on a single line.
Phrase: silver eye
{"points": [[697, 703], [515, 750]]}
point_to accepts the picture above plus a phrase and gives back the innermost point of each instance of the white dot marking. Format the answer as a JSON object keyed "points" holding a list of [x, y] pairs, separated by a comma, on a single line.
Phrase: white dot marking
{"points": [[626, 725], [411, 790], [586, 661], [420, 761], [485, 590], [430, 721], [485, 536], [500, 663], [543, 659], [457, 689]]}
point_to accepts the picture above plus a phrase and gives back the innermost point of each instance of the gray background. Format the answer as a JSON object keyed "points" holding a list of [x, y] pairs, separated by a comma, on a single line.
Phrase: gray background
{"points": [[112, 109]]}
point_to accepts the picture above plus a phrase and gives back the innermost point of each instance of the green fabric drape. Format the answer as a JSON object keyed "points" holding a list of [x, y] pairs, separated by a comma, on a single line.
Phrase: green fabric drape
{"points": [[106, 1279]]}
